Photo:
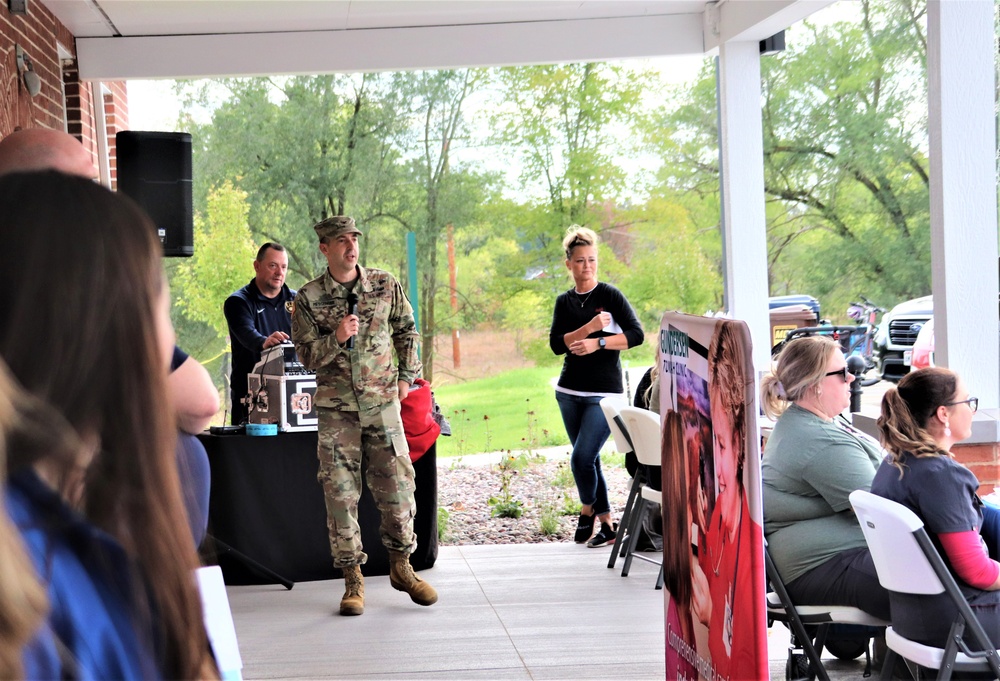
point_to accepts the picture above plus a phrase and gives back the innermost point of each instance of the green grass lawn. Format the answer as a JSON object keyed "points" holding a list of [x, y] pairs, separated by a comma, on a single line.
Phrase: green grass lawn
{"points": [[515, 410]]}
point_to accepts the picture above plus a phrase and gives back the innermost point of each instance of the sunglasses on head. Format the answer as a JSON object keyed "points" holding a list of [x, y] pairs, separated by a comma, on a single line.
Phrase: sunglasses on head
{"points": [[842, 372]]}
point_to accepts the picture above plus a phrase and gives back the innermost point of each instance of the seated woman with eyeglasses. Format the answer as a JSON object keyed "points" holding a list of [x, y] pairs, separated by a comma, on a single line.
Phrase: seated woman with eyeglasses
{"points": [[922, 418], [812, 462]]}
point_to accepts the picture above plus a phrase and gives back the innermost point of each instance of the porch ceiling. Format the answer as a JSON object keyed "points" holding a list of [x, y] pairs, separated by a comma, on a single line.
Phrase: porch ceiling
{"points": [[123, 39]]}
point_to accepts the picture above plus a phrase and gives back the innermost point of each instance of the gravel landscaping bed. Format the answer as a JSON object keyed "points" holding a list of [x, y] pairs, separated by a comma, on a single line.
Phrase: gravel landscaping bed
{"points": [[464, 492]]}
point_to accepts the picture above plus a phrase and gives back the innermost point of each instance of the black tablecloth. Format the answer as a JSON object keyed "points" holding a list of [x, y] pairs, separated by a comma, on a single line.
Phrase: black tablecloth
{"points": [[267, 504]]}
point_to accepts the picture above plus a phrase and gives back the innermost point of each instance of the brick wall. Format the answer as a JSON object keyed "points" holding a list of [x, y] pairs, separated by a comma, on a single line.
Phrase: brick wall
{"points": [[116, 118], [981, 459], [64, 102], [37, 33]]}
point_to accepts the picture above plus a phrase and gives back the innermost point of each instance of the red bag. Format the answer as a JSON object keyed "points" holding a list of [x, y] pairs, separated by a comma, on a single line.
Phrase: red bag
{"points": [[419, 426]]}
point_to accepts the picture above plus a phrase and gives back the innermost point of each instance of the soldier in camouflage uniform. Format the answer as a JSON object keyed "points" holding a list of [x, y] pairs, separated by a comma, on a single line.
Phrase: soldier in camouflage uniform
{"points": [[358, 390]]}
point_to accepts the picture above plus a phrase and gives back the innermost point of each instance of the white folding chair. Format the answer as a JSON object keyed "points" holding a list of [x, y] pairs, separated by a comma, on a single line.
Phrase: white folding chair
{"points": [[908, 562], [611, 406], [218, 620], [643, 427], [797, 618]]}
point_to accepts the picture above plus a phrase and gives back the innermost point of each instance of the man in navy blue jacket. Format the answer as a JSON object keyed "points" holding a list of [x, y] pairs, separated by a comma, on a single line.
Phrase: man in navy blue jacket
{"points": [[259, 317]]}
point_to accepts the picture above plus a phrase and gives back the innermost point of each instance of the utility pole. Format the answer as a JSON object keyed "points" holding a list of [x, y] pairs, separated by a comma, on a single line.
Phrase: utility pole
{"points": [[456, 353]]}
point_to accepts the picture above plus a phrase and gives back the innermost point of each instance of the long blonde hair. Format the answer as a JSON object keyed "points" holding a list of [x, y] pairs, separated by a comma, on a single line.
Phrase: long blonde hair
{"points": [[727, 383], [800, 366], [23, 604]]}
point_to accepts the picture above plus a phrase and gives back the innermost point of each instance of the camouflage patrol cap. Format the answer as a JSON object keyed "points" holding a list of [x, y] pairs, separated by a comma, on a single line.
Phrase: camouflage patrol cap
{"points": [[335, 226]]}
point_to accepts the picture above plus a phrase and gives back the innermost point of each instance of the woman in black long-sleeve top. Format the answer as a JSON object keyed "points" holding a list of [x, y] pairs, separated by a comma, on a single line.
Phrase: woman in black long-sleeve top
{"points": [[591, 324]]}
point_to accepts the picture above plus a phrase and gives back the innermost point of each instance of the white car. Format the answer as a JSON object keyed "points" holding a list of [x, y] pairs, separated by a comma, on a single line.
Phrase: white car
{"points": [[897, 332]]}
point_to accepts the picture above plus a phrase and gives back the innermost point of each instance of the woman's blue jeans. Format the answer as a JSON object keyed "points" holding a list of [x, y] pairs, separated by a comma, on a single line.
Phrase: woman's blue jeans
{"points": [[588, 431]]}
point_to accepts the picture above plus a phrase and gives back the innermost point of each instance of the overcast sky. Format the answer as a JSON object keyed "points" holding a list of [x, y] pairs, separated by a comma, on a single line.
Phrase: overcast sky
{"points": [[153, 107]]}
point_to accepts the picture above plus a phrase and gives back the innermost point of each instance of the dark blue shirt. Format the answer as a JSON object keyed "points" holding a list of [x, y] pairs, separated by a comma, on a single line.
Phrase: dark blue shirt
{"points": [[88, 581], [193, 468], [252, 317]]}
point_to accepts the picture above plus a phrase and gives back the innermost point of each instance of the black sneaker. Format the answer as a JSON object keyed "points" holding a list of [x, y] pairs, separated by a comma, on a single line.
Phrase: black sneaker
{"points": [[584, 528], [605, 536]]}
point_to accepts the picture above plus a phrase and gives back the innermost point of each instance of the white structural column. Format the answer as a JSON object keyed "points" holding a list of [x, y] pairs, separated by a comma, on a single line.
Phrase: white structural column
{"points": [[744, 231], [963, 195]]}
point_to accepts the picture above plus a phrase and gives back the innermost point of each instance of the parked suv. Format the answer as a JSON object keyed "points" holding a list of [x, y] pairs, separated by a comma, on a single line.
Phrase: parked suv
{"points": [[896, 335]]}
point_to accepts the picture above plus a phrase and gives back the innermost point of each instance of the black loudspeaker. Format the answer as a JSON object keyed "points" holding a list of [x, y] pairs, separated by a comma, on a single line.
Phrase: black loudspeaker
{"points": [[154, 170]]}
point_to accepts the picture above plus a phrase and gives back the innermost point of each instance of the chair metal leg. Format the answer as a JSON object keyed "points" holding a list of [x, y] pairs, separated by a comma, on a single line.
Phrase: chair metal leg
{"points": [[888, 663], [817, 651], [659, 580], [633, 533], [619, 548]]}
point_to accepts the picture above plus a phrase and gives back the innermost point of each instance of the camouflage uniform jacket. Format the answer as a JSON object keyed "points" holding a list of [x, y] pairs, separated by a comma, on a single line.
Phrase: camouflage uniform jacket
{"points": [[365, 376]]}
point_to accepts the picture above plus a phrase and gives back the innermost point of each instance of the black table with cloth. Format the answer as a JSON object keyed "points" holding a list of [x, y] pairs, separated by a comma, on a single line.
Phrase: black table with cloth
{"points": [[267, 504]]}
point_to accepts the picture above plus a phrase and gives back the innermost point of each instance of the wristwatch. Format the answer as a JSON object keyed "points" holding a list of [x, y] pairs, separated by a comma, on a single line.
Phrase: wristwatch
{"points": [[601, 343]]}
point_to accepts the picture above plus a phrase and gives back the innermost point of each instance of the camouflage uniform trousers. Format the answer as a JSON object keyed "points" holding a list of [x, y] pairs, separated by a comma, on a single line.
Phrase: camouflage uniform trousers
{"points": [[375, 435]]}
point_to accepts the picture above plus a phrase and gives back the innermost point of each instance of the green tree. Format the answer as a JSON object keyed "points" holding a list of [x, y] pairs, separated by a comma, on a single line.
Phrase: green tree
{"points": [[667, 268], [374, 146], [567, 124], [448, 197], [303, 149], [845, 171], [224, 251]]}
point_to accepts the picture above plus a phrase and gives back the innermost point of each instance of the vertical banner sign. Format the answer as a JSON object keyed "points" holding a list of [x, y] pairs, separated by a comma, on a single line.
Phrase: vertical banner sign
{"points": [[713, 555]]}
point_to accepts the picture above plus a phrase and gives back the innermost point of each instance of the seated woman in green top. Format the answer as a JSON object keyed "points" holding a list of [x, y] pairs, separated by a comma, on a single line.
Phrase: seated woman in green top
{"points": [[813, 460]]}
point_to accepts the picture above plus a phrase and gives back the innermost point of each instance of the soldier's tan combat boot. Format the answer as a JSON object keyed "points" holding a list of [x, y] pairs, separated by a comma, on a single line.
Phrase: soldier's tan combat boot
{"points": [[353, 602], [402, 578]]}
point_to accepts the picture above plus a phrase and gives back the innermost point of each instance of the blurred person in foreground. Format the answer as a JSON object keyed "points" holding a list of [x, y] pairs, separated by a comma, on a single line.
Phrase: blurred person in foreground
{"points": [[103, 518], [812, 462], [922, 418], [23, 604], [591, 324], [346, 324], [192, 394], [43, 149]]}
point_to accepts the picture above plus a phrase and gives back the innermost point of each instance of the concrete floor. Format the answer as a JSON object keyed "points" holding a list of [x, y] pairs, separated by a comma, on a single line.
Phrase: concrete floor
{"points": [[523, 611]]}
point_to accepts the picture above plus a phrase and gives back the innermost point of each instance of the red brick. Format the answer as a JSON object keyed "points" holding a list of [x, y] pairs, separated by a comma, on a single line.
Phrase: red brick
{"points": [[977, 453]]}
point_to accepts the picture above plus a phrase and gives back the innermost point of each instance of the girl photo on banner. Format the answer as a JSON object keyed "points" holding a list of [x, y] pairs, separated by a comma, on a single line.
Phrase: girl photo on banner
{"points": [[713, 541]]}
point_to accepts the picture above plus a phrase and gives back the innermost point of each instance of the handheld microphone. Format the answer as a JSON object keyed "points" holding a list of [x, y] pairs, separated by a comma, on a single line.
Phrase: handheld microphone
{"points": [[352, 308]]}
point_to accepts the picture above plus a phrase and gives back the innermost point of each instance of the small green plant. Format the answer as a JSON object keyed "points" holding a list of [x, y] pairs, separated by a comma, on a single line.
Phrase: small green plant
{"points": [[459, 430], [443, 517], [571, 505], [455, 463], [504, 505], [563, 476], [548, 520], [613, 460], [522, 460], [563, 479], [531, 438], [550, 439], [486, 421]]}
